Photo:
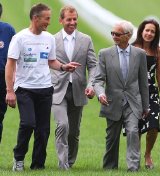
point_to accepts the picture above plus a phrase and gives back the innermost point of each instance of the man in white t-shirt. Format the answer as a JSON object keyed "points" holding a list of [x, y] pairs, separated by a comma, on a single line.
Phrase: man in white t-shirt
{"points": [[31, 53]]}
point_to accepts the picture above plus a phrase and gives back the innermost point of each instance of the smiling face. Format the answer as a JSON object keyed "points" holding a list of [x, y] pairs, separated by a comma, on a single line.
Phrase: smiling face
{"points": [[122, 38], [43, 20], [148, 33], [69, 21]]}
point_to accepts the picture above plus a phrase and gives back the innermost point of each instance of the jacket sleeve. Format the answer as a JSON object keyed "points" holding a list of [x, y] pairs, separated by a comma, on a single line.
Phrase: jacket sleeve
{"points": [[100, 75], [143, 81]]}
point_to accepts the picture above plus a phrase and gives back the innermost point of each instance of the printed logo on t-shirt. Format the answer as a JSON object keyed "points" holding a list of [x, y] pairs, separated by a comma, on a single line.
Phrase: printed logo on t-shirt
{"points": [[30, 57], [43, 55], [1, 44]]}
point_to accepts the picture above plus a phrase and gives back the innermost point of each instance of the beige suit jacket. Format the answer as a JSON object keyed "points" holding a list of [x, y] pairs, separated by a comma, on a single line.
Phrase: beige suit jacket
{"points": [[83, 54]]}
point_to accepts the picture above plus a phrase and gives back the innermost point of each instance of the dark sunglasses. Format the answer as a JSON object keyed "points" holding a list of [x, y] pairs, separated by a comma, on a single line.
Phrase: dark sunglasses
{"points": [[118, 34]]}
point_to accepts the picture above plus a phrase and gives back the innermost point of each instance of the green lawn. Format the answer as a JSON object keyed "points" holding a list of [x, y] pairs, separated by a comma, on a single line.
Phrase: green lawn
{"points": [[91, 149], [92, 138], [133, 10]]}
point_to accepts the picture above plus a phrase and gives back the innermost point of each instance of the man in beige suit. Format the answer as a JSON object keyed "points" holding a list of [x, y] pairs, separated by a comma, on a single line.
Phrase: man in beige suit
{"points": [[71, 90]]}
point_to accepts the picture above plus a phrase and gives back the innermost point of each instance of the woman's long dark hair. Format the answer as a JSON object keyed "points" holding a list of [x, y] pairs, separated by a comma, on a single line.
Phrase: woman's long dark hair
{"points": [[155, 43]]}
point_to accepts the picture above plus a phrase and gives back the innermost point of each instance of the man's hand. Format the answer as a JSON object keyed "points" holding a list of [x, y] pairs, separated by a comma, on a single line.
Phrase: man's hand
{"points": [[145, 113], [89, 92], [103, 99], [11, 99], [70, 67]]}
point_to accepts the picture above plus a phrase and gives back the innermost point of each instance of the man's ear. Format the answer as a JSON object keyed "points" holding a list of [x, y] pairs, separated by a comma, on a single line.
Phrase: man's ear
{"points": [[35, 17], [60, 20]]}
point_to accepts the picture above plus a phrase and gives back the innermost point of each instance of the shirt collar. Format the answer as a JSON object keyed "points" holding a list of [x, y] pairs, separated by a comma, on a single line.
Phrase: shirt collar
{"points": [[127, 50], [65, 34]]}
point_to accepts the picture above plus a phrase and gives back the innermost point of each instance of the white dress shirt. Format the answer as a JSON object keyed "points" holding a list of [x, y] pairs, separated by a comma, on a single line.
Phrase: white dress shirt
{"points": [[69, 43]]}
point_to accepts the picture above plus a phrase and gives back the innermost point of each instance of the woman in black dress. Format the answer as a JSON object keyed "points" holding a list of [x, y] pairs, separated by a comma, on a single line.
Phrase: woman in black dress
{"points": [[148, 39]]}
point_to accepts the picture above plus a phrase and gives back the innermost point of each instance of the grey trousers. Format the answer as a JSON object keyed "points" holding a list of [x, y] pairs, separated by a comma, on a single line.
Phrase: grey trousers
{"points": [[67, 117], [113, 130]]}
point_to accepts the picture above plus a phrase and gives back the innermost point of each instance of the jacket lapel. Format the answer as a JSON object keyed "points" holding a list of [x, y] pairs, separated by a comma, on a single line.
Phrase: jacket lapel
{"points": [[78, 43], [131, 63], [116, 64]]}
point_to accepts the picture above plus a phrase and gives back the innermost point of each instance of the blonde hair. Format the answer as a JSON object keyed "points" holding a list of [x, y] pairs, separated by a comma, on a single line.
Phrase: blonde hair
{"points": [[67, 8]]}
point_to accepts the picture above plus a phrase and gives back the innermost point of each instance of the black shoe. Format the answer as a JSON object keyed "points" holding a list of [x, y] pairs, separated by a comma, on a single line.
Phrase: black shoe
{"points": [[132, 170], [37, 167]]}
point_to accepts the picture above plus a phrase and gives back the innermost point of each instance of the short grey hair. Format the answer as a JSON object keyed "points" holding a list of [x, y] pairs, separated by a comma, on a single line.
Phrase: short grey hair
{"points": [[127, 26]]}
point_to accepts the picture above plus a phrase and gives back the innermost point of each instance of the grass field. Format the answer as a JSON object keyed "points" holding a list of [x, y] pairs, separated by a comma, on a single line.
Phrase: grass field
{"points": [[91, 149], [133, 10], [92, 138]]}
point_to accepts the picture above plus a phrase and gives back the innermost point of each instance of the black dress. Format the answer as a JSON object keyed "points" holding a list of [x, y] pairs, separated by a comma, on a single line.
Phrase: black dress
{"points": [[152, 121]]}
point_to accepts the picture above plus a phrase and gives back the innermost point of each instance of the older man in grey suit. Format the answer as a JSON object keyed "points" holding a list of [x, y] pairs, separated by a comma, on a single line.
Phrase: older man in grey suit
{"points": [[125, 98], [71, 90]]}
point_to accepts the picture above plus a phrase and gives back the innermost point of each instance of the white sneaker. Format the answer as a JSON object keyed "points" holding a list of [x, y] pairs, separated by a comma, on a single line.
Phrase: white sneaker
{"points": [[18, 165]]}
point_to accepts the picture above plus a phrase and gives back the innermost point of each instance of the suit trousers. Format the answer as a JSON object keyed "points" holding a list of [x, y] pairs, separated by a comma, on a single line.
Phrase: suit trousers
{"points": [[113, 130], [68, 118], [34, 107], [3, 105]]}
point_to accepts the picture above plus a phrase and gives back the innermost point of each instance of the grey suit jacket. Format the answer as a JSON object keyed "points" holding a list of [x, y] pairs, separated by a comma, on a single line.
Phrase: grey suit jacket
{"points": [[135, 89], [83, 54]]}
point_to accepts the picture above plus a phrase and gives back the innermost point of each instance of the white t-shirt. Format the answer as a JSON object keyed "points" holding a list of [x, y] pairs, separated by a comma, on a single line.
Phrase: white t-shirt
{"points": [[32, 53]]}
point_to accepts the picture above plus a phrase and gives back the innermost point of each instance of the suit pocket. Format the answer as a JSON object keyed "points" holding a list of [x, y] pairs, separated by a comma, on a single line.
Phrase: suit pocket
{"points": [[54, 81], [109, 98]]}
